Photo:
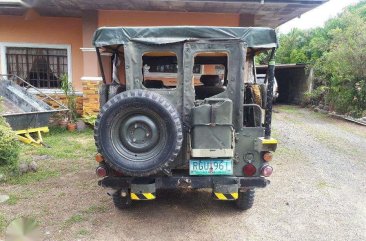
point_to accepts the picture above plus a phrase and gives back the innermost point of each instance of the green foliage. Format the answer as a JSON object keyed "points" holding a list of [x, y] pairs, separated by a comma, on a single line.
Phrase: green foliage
{"points": [[316, 96], [89, 119], [12, 200], [69, 92], [9, 146], [337, 53], [3, 223]]}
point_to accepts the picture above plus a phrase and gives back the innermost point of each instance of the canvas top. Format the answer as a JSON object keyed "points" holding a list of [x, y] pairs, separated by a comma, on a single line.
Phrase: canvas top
{"points": [[254, 37]]}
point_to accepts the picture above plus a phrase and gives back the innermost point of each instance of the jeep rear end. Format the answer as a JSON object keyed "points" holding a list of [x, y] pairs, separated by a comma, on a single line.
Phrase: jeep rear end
{"points": [[180, 108]]}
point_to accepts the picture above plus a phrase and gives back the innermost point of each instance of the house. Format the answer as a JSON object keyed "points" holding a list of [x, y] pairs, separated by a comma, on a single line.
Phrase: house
{"points": [[41, 40]]}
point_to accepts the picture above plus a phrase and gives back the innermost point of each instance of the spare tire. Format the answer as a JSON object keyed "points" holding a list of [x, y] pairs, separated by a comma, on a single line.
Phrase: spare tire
{"points": [[138, 132]]}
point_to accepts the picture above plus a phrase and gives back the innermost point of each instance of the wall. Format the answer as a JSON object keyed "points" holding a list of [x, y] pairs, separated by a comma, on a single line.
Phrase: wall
{"points": [[292, 82], [145, 18], [47, 30]]}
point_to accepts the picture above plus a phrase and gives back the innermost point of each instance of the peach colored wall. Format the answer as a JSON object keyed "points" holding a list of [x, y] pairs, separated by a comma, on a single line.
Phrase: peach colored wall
{"points": [[90, 24], [47, 30], [145, 18]]}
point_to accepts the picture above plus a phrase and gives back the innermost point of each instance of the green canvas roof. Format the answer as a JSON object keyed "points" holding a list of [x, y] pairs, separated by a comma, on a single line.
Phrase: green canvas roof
{"points": [[253, 36]]}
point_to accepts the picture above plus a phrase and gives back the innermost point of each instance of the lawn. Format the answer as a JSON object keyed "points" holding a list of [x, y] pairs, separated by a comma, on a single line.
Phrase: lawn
{"points": [[52, 195]]}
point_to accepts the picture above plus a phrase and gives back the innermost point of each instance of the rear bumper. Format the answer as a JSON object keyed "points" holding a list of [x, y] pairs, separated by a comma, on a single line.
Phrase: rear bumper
{"points": [[176, 182]]}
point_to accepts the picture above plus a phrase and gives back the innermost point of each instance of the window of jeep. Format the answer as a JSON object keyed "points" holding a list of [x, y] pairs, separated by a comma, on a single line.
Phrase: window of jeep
{"points": [[160, 70], [113, 65], [212, 80]]}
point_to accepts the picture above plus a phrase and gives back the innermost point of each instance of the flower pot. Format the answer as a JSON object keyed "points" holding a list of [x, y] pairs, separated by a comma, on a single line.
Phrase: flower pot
{"points": [[63, 123], [71, 126]]}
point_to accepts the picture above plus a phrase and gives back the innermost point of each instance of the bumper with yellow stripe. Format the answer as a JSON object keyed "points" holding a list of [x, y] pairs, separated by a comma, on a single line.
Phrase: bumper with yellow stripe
{"points": [[224, 188], [143, 196], [226, 196], [174, 182]]}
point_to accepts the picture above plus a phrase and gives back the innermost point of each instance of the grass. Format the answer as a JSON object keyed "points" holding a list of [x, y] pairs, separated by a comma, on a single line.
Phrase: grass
{"points": [[12, 200], [83, 215], [95, 209], [76, 218], [83, 232], [287, 108], [3, 223], [69, 153], [33, 177], [64, 146]]}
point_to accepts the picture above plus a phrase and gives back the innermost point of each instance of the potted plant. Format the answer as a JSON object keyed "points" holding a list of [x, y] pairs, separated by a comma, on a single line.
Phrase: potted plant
{"points": [[69, 92]]}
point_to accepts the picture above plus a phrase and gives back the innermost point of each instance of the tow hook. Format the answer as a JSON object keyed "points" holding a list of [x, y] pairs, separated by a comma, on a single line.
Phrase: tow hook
{"points": [[184, 183]]}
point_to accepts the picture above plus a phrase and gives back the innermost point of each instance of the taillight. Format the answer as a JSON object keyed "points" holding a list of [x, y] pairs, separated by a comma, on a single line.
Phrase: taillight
{"points": [[99, 158], [101, 171], [267, 156], [266, 170], [249, 170]]}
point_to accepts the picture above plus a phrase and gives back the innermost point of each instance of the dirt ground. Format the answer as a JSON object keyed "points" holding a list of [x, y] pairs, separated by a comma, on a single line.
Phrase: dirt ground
{"points": [[317, 192]]}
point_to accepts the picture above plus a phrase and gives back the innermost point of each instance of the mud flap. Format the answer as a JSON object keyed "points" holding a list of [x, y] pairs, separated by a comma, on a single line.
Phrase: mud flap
{"points": [[143, 191], [225, 191]]}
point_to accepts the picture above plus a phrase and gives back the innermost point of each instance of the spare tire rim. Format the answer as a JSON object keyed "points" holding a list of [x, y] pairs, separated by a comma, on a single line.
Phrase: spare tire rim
{"points": [[137, 136], [139, 133]]}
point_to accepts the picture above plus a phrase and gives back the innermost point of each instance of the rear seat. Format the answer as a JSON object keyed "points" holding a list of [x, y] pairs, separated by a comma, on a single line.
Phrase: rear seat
{"points": [[211, 86]]}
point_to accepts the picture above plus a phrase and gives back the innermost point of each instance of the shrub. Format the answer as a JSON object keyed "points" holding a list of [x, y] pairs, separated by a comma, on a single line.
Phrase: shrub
{"points": [[316, 96], [9, 146], [90, 119]]}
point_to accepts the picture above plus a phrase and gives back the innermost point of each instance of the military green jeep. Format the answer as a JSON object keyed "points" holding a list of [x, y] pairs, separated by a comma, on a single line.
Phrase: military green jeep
{"points": [[180, 108]]}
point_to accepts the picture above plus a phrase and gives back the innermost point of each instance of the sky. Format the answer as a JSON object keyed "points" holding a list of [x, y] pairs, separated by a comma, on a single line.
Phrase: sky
{"points": [[318, 16]]}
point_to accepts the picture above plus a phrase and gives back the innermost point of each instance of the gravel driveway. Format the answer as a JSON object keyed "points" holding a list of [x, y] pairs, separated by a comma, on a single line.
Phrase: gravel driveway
{"points": [[317, 192]]}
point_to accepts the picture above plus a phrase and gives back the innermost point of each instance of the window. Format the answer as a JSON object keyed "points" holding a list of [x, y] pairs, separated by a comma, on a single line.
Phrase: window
{"points": [[160, 70], [213, 78], [41, 67]]}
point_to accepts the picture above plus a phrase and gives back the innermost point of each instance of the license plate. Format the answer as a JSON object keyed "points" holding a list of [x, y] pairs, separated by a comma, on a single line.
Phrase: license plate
{"points": [[210, 167]]}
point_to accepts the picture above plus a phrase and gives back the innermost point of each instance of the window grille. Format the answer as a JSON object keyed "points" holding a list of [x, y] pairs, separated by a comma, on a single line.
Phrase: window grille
{"points": [[41, 67]]}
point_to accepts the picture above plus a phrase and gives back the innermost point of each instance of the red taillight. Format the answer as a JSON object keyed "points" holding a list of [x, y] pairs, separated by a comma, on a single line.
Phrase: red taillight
{"points": [[101, 171], [249, 170], [266, 171]]}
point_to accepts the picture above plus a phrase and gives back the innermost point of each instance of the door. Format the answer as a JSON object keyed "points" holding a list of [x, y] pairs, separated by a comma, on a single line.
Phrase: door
{"points": [[219, 60]]}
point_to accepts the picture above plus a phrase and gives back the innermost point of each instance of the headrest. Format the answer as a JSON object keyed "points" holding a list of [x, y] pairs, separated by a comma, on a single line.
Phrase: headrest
{"points": [[210, 80]]}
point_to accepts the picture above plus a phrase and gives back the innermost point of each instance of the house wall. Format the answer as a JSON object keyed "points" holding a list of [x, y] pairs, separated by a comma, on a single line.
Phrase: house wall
{"points": [[47, 30], [146, 18]]}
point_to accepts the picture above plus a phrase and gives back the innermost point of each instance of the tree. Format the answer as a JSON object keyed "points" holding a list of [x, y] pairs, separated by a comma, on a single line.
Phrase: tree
{"points": [[337, 52]]}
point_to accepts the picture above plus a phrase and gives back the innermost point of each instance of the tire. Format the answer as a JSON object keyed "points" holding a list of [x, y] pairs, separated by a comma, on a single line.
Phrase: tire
{"points": [[257, 95], [121, 202], [245, 200], [139, 133]]}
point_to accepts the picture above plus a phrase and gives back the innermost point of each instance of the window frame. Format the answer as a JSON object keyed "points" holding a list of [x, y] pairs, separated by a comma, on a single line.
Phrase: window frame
{"points": [[162, 74], [4, 64]]}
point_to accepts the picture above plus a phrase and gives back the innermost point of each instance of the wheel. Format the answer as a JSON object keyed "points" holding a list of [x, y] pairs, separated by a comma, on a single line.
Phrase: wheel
{"points": [[138, 132], [122, 202], [245, 200], [257, 95]]}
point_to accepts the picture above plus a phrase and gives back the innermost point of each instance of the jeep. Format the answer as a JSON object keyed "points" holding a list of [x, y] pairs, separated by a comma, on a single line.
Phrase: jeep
{"points": [[180, 107]]}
